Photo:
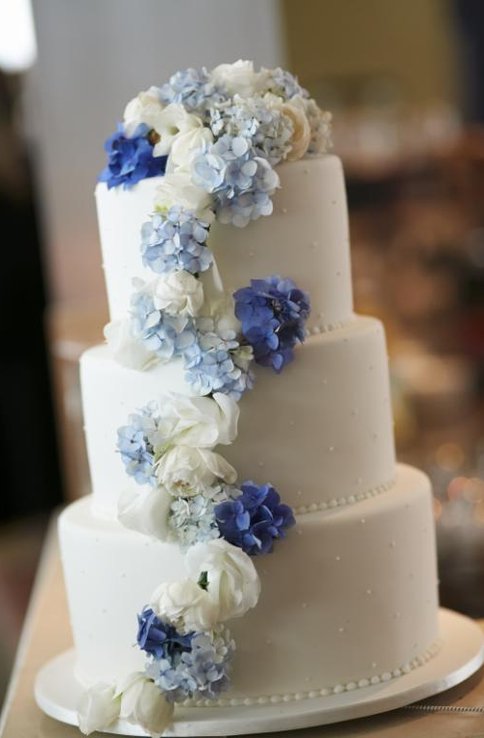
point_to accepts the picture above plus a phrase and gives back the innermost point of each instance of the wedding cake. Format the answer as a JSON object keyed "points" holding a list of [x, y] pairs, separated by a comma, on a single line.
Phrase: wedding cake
{"points": [[250, 538]]}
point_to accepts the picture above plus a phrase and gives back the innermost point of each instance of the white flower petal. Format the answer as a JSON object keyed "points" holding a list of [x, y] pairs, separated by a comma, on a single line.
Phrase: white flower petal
{"points": [[98, 708], [125, 349], [146, 512], [143, 704]]}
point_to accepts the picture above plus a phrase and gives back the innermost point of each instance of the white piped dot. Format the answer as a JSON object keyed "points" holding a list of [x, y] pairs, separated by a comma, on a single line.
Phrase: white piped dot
{"points": [[373, 664], [324, 692], [313, 693], [251, 253], [369, 591], [351, 499], [397, 672], [386, 676], [299, 492], [363, 682], [287, 698], [375, 680], [313, 507], [275, 699], [247, 701], [304, 605], [338, 558], [292, 422], [350, 686], [362, 521], [262, 700], [324, 381], [261, 463], [393, 544], [314, 244], [339, 689], [333, 503], [284, 210], [298, 696], [233, 702], [331, 448], [341, 630]]}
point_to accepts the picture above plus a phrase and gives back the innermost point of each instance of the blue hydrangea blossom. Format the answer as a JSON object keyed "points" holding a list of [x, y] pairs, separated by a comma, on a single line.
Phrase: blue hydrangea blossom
{"points": [[254, 519], [192, 89], [175, 241], [136, 445], [216, 362], [273, 314], [159, 639], [241, 182], [167, 336], [130, 159], [268, 129], [192, 520], [284, 84], [201, 672]]}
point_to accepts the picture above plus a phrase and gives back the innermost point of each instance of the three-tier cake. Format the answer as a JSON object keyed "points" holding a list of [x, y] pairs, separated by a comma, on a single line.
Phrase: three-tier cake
{"points": [[250, 537]]}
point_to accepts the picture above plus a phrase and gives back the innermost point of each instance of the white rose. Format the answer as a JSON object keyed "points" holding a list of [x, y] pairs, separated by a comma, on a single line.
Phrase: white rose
{"points": [[146, 512], [185, 146], [178, 293], [301, 136], [177, 188], [187, 471], [142, 703], [144, 108], [233, 582], [199, 422], [238, 78], [172, 122], [186, 604], [125, 348], [98, 708]]}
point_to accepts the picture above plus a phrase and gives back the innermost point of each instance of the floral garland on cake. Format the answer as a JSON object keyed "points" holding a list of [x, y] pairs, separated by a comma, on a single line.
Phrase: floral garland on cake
{"points": [[215, 137]]}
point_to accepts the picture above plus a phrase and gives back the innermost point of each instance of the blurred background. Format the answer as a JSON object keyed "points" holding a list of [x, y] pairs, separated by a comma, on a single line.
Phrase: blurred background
{"points": [[404, 82]]}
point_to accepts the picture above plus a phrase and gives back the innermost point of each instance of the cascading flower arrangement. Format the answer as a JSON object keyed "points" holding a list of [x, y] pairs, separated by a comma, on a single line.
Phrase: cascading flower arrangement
{"points": [[215, 140]]}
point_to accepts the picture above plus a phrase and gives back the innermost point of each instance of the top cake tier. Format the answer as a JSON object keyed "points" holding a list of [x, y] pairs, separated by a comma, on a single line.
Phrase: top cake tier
{"points": [[305, 238]]}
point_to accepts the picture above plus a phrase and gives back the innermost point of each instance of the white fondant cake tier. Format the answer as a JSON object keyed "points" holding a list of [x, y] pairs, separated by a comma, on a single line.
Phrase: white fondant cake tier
{"points": [[351, 594], [321, 431], [306, 238]]}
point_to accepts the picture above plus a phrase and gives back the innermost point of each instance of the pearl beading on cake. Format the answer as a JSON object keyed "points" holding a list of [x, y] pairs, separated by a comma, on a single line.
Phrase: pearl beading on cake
{"points": [[343, 501], [386, 676], [319, 328]]}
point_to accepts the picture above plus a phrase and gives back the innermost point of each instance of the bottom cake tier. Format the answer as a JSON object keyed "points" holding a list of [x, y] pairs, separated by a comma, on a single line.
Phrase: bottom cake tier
{"points": [[349, 598]]}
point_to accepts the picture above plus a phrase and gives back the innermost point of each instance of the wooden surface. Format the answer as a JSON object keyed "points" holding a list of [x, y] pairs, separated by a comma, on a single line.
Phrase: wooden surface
{"points": [[46, 633]]}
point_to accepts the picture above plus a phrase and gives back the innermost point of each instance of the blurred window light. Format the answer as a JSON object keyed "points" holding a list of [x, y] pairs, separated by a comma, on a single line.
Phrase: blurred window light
{"points": [[18, 48]]}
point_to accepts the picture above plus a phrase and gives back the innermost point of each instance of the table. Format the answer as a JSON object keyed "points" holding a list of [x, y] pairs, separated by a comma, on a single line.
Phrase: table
{"points": [[46, 632]]}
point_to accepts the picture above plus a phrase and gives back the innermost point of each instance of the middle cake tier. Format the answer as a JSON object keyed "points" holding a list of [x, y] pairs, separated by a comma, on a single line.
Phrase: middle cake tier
{"points": [[321, 432]]}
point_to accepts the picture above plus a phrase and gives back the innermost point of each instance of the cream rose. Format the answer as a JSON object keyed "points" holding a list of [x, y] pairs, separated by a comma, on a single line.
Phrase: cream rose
{"points": [[146, 512], [98, 708], [189, 471], [185, 146], [177, 188], [125, 348], [301, 136], [185, 604], [198, 422], [142, 703], [144, 108], [239, 78], [178, 293], [173, 122], [233, 582]]}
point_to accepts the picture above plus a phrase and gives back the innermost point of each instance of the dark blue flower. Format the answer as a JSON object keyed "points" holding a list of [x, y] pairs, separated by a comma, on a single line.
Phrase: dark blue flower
{"points": [[254, 519], [160, 639], [130, 159], [273, 314]]}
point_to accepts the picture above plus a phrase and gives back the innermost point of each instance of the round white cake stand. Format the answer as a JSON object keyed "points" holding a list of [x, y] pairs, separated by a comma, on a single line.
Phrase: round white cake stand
{"points": [[462, 653]]}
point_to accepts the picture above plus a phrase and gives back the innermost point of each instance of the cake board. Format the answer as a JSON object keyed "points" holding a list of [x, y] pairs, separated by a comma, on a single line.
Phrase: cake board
{"points": [[462, 653]]}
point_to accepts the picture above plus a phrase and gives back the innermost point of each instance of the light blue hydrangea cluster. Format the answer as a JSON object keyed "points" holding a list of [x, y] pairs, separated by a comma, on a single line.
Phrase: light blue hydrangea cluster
{"points": [[201, 672], [253, 118], [284, 84], [175, 241], [192, 519], [216, 362], [240, 181], [167, 336], [136, 445], [193, 89]]}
